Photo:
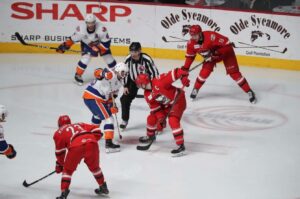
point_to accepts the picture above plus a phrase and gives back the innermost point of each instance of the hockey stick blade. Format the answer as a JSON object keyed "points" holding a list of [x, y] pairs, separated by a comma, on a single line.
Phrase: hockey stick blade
{"points": [[144, 147], [25, 184], [181, 39], [167, 41], [19, 37]]}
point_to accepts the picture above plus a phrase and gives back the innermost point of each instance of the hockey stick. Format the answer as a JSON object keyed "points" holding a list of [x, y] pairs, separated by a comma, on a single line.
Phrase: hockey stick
{"points": [[146, 147], [194, 67], [19, 37], [114, 105], [256, 46], [139, 96], [283, 51], [179, 38], [165, 40], [25, 184]]}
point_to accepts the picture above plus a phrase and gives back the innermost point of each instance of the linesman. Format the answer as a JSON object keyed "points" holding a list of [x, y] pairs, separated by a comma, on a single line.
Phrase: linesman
{"points": [[138, 62]]}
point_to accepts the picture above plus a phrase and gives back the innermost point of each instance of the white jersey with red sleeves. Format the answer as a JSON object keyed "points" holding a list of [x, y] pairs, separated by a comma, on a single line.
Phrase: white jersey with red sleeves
{"points": [[103, 88], [99, 35]]}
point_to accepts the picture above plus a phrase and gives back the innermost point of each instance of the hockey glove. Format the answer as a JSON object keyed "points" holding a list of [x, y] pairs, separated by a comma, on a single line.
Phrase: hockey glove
{"points": [[114, 110], [184, 74], [64, 46], [58, 167], [11, 153], [107, 74]]}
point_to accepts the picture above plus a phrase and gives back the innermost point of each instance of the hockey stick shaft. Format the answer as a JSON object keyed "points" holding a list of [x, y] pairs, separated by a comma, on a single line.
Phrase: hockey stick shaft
{"points": [[25, 184], [21, 40], [167, 41], [256, 46], [284, 50], [114, 105], [178, 38]]}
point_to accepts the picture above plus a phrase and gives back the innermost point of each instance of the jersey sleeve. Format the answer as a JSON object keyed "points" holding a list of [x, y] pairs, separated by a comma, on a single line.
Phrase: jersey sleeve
{"points": [[78, 34], [189, 55], [218, 40], [60, 147]]}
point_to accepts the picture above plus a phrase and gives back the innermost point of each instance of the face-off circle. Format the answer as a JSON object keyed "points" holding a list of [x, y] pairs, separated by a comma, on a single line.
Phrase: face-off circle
{"points": [[235, 118]]}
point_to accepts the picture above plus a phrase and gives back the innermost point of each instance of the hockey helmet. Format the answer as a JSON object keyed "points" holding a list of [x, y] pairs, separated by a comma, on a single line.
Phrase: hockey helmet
{"points": [[90, 18], [195, 30], [63, 120], [135, 46], [121, 69], [3, 113], [142, 81]]}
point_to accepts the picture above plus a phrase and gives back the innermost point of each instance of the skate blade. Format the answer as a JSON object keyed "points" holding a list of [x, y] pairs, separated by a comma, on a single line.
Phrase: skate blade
{"points": [[78, 83], [176, 155], [112, 150]]}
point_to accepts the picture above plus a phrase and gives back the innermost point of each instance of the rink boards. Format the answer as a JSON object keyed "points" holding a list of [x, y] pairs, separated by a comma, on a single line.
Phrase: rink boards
{"points": [[265, 40]]}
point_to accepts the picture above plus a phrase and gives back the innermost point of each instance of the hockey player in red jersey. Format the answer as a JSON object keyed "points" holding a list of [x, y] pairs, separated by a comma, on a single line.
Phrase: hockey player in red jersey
{"points": [[214, 48], [165, 100], [5, 148], [81, 142]]}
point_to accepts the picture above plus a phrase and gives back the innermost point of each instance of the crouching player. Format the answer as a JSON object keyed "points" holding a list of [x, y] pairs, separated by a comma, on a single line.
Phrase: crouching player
{"points": [[81, 141], [166, 102], [98, 97]]}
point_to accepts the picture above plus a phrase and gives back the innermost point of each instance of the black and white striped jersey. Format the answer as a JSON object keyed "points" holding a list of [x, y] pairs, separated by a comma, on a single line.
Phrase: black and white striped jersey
{"points": [[144, 65]]}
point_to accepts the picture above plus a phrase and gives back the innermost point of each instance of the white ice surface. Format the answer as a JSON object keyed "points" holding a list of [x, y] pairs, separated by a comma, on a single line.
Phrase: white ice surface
{"points": [[235, 150]]}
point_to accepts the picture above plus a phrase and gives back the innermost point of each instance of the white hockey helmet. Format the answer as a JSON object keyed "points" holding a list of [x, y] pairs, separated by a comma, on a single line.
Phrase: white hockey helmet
{"points": [[3, 113], [90, 18], [121, 69]]}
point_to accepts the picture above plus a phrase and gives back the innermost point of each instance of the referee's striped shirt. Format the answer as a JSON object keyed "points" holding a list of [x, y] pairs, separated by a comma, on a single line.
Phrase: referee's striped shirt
{"points": [[144, 65]]}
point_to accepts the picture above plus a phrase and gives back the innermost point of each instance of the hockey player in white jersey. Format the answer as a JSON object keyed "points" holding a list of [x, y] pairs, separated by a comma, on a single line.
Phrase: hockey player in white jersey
{"points": [[94, 40], [5, 149], [99, 96]]}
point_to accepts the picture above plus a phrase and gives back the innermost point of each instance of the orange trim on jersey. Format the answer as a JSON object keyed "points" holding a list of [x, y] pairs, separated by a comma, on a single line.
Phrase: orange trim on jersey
{"points": [[79, 70], [102, 108], [109, 135], [89, 95]]}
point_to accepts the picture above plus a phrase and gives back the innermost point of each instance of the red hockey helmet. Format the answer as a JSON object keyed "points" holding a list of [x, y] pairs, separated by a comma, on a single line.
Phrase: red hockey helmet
{"points": [[195, 30], [142, 80], [63, 120]]}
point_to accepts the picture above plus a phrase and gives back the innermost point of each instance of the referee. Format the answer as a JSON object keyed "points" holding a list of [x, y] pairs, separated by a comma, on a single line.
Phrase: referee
{"points": [[138, 62]]}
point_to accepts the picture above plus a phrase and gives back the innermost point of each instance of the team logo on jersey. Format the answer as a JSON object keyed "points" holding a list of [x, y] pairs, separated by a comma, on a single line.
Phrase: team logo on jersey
{"points": [[104, 29]]}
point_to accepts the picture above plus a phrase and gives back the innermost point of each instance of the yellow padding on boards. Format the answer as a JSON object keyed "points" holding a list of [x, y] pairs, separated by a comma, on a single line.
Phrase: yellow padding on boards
{"points": [[159, 53]]}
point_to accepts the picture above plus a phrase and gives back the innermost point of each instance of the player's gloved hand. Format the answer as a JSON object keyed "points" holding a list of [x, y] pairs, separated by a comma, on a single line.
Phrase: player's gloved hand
{"points": [[10, 152], [185, 81], [184, 74], [58, 167], [64, 46], [114, 110], [108, 75]]}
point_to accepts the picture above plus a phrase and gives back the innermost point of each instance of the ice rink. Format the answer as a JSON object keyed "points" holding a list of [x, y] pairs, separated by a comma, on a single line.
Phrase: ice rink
{"points": [[235, 150]]}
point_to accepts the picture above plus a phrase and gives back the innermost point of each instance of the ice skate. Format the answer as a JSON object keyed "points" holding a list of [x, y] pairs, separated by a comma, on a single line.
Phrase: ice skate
{"points": [[194, 93], [110, 147], [252, 97], [102, 189], [123, 125], [78, 79], [64, 194], [180, 151], [147, 139]]}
